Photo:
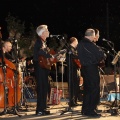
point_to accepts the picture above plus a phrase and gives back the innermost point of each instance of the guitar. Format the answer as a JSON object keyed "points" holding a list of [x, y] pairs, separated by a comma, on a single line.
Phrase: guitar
{"points": [[47, 62], [77, 62]]}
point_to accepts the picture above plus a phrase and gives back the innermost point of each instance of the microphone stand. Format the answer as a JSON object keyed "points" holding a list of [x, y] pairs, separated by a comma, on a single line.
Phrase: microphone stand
{"points": [[69, 109], [16, 57], [114, 106]]}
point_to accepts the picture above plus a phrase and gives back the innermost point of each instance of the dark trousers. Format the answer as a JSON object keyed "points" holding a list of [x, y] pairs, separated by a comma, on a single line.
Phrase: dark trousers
{"points": [[41, 76], [91, 83], [73, 84]]}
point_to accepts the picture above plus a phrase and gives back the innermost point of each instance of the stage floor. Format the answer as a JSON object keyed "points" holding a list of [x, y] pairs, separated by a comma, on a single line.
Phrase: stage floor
{"points": [[57, 112]]}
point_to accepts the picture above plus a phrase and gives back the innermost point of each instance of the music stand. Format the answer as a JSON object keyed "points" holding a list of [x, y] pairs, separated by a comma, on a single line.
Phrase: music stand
{"points": [[62, 74]]}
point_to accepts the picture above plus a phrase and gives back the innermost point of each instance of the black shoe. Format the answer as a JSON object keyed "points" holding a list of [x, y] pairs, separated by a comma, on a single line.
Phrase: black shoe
{"points": [[48, 107], [92, 114], [40, 113], [72, 104], [47, 112], [77, 104], [82, 112]]}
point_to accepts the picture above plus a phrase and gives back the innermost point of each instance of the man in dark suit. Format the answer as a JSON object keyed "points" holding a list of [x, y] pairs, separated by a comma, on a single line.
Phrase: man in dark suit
{"points": [[41, 74], [90, 56]]}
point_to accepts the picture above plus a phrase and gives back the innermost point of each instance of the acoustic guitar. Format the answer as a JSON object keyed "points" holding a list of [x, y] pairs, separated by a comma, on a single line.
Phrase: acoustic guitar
{"points": [[47, 62], [77, 62]]}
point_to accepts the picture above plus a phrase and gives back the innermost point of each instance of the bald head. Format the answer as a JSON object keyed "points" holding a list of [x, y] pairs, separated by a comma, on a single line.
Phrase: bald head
{"points": [[7, 46], [73, 42]]}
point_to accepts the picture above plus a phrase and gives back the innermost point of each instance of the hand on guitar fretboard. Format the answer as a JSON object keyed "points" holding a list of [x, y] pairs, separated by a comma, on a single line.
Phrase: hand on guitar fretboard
{"points": [[48, 62]]}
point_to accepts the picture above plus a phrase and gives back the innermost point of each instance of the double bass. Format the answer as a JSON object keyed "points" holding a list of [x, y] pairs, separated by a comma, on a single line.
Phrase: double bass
{"points": [[8, 86], [10, 91]]}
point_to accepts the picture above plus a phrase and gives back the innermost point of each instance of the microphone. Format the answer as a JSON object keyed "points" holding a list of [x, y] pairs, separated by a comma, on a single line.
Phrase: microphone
{"points": [[106, 51], [106, 40], [55, 35]]}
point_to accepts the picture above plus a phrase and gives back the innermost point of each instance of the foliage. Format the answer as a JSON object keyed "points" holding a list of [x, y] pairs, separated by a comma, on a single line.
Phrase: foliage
{"points": [[13, 23], [16, 29], [26, 40]]}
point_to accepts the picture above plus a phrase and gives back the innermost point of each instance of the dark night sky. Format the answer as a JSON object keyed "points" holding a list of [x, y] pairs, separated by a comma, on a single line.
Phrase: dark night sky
{"points": [[72, 17]]}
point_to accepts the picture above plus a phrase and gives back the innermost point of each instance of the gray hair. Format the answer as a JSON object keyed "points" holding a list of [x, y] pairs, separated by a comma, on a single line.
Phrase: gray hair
{"points": [[40, 29], [89, 32]]}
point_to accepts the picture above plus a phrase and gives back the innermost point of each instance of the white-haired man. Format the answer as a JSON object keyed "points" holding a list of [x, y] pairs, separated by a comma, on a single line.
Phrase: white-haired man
{"points": [[41, 74]]}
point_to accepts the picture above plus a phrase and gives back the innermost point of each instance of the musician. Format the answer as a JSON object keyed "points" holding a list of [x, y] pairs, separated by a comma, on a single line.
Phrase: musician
{"points": [[41, 74], [90, 55], [74, 82], [6, 49]]}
